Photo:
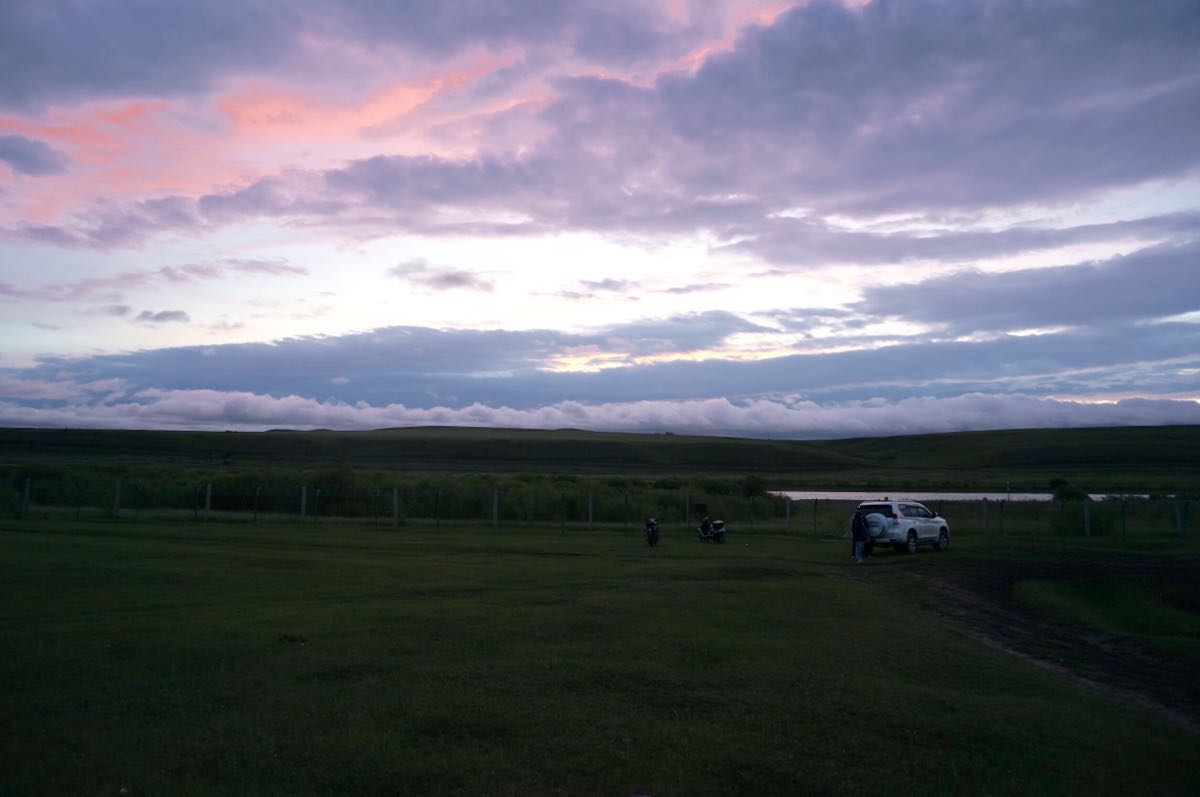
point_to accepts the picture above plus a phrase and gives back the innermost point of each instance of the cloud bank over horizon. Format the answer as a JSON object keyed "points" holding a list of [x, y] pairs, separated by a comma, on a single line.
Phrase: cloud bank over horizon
{"points": [[802, 219]]}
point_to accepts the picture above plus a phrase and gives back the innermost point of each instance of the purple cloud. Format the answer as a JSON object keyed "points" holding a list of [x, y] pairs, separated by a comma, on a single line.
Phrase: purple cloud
{"points": [[102, 287], [419, 272], [33, 158], [162, 317], [918, 108], [1153, 283]]}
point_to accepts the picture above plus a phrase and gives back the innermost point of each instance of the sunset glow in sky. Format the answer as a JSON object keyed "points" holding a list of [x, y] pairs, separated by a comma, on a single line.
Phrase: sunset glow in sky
{"points": [[785, 219]]}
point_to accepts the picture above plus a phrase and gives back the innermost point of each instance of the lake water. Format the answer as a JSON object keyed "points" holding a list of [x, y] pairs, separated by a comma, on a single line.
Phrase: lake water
{"points": [[828, 495]]}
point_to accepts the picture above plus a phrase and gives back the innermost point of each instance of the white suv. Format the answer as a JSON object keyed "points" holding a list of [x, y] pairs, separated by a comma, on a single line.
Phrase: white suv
{"points": [[906, 524]]}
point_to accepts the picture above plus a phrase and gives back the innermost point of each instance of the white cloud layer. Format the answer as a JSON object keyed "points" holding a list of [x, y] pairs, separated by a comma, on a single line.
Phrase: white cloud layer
{"points": [[215, 410]]}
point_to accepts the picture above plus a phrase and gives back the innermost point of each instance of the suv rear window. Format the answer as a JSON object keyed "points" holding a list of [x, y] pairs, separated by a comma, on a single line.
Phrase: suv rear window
{"points": [[883, 509]]}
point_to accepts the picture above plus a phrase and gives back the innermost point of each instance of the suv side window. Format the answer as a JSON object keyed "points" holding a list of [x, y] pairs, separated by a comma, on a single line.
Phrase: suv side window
{"points": [[908, 510]]}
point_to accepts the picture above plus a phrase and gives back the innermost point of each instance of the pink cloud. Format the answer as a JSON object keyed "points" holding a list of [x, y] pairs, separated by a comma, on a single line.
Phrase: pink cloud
{"points": [[157, 147], [118, 150]]}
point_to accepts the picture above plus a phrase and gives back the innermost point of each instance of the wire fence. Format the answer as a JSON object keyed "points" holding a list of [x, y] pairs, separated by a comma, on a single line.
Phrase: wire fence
{"points": [[563, 506]]}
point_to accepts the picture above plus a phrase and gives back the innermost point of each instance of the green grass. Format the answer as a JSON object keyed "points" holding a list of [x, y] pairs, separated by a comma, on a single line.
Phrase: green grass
{"points": [[223, 658], [1162, 459], [1141, 607]]}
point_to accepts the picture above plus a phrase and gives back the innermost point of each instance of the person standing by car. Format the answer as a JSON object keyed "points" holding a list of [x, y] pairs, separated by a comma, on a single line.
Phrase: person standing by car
{"points": [[858, 533]]}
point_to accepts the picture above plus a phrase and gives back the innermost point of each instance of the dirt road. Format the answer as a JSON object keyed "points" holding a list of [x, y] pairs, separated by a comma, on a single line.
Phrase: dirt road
{"points": [[979, 595]]}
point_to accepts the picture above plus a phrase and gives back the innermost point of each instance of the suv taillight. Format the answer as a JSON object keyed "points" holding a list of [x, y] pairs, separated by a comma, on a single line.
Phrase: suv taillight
{"points": [[895, 516]]}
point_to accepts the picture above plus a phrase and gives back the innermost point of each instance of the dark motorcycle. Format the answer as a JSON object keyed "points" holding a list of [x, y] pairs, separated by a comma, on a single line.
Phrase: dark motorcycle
{"points": [[712, 530], [652, 531]]}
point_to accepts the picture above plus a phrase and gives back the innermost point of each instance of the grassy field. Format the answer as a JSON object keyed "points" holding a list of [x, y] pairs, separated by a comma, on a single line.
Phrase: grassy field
{"points": [[1143, 608], [144, 658], [1140, 459]]}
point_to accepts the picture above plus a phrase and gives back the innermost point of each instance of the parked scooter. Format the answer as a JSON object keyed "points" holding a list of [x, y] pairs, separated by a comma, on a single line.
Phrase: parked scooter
{"points": [[652, 531], [712, 530]]}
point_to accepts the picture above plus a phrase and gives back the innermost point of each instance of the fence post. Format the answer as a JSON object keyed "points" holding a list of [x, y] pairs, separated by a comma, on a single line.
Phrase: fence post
{"points": [[1087, 517], [751, 502], [396, 506], [303, 500], [590, 514], [207, 500], [787, 514], [815, 517], [495, 509], [116, 504], [985, 517], [625, 525], [257, 490], [562, 512], [1180, 517], [687, 511], [437, 510], [316, 503], [1003, 504], [24, 498], [1124, 506]]}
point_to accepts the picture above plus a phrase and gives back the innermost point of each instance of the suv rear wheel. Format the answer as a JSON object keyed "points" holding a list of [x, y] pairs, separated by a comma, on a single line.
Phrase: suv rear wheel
{"points": [[911, 545], [943, 541]]}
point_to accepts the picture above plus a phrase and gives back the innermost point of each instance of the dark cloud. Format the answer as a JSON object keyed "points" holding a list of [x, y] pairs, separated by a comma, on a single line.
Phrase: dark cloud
{"points": [[683, 333], [810, 242], [401, 363], [109, 224], [1152, 283], [604, 32], [51, 52], [452, 279], [162, 317], [422, 367], [293, 193], [807, 320], [121, 48], [25, 156], [940, 104]]}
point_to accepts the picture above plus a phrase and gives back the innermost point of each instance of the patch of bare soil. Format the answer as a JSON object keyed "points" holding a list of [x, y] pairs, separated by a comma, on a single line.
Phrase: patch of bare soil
{"points": [[979, 595]]}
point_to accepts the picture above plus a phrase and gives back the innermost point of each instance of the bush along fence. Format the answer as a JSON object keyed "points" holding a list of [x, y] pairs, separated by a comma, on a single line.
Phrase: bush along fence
{"points": [[561, 503], [451, 500]]}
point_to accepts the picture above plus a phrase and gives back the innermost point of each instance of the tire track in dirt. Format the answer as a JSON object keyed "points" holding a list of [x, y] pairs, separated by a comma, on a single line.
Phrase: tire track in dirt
{"points": [[978, 595]]}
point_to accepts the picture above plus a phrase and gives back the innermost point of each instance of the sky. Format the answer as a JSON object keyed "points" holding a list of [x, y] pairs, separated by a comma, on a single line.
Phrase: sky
{"points": [[771, 219]]}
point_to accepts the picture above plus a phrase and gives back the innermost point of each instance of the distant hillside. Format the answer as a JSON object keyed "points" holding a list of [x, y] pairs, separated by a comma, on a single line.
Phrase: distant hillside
{"points": [[1166, 458]]}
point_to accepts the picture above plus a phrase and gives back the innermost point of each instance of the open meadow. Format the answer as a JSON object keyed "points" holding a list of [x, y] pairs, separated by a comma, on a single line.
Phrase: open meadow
{"points": [[142, 657]]}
